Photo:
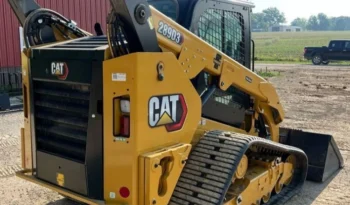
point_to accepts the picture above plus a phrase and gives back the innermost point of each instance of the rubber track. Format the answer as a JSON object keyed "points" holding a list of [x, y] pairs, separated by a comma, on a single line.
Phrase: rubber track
{"points": [[207, 174]]}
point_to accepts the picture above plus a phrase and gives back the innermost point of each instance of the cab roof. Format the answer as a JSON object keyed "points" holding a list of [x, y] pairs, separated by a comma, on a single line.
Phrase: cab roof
{"points": [[241, 2]]}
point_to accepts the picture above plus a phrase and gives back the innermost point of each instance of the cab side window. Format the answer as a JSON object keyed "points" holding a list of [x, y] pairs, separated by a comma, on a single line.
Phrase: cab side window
{"points": [[347, 45], [234, 36], [209, 28], [167, 7], [225, 31], [336, 45]]}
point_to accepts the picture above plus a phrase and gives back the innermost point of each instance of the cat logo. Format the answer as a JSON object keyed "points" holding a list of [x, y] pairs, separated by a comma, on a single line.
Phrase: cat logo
{"points": [[167, 110], [59, 69]]}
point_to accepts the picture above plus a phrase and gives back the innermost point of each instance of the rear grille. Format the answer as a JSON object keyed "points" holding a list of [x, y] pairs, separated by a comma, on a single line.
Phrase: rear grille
{"points": [[61, 118]]}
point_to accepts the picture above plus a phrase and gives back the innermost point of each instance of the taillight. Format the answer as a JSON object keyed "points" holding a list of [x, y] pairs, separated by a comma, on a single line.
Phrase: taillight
{"points": [[125, 117], [121, 117], [125, 106], [125, 126]]}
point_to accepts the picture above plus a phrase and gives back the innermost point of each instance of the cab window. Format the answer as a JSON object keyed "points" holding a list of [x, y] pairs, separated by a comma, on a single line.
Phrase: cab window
{"points": [[225, 31], [336, 45], [167, 7]]}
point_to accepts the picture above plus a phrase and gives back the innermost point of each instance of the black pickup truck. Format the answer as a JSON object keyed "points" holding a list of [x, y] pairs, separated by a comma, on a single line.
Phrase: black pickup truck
{"points": [[337, 50]]}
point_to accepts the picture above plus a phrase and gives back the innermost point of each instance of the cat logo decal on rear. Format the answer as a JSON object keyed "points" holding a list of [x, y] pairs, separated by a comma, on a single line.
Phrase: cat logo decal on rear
{"points": [[59, 69], [167, 110]]}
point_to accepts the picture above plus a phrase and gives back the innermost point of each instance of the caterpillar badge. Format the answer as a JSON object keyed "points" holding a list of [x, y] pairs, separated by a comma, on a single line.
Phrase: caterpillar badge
{"points": [[165, 108]]}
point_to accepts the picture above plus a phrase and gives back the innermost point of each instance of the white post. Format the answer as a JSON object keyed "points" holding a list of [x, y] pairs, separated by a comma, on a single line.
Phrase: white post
{"points": [[21, 39]]}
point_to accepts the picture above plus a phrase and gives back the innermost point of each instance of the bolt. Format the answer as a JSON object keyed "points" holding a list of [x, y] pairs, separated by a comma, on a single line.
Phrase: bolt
{"points": [[222, 83], [142, 13], [93, 116], [183, 161], [156, 166], [182, 63], [154, 201], [160, 77], [160, 68]]}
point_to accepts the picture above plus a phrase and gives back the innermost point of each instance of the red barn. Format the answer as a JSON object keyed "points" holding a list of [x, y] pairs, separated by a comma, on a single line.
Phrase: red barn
{"points": [[85, 12]]}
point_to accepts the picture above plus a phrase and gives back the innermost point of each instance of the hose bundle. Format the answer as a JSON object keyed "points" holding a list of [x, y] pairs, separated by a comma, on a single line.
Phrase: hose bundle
{"points": [[39, 28]]}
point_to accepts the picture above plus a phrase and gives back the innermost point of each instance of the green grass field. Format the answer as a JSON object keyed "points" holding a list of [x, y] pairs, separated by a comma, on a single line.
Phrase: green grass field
{"points": [[289, 47]]}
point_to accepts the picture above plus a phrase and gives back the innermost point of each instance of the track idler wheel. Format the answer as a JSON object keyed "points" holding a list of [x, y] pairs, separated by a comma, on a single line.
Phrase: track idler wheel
{"points": [[290, 162], [290, 159], [242, 168], [266, 199], [278, 187]]}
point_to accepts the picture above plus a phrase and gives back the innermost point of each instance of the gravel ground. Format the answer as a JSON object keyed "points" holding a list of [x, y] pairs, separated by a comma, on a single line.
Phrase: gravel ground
{"points": [[316, 98]]}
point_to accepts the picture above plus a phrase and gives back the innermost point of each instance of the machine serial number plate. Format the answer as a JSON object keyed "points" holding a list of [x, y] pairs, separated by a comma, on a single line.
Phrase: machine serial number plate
{"points": [[169, 32], [118, 76]]}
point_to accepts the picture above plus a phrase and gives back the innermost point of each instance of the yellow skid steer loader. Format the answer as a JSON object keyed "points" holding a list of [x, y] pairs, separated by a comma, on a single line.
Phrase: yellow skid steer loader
{"points": [[165, 108]]}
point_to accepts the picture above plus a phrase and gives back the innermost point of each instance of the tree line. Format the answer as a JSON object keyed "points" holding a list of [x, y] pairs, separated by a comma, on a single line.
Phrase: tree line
{"points": [[320, 22]]}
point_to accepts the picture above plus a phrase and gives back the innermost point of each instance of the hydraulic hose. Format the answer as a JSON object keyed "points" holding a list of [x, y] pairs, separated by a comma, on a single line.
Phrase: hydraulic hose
{"points": [[38, 27]]}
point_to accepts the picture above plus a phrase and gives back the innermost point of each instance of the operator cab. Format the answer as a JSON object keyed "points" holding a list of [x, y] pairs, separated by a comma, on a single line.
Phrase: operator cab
{"points": [[223, 24], [226, 26]]}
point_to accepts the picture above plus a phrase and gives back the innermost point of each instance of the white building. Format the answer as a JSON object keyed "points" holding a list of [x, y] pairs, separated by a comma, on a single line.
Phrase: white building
{"points": [[282, 28]]}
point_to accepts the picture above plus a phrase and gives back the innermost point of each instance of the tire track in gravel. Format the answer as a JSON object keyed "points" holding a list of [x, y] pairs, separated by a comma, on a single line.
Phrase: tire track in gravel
{"points": [[9, 142], [9, 171], [6, 142]]}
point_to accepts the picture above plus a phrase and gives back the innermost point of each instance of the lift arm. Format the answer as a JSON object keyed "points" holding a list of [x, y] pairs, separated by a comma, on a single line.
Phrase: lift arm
{"points": [[194, 54]]}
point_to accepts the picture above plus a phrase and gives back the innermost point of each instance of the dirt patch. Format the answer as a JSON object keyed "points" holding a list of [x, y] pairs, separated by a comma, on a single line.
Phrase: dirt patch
{"points": [[315, 98]]}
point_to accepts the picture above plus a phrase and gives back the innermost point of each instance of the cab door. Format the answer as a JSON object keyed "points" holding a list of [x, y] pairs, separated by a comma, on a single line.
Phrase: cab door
{"points": [[225, 26], [346, 51], [335, 50]]}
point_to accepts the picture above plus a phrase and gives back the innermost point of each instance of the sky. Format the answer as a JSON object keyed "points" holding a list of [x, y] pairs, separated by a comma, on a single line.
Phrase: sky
{"points": [[304, 8]]}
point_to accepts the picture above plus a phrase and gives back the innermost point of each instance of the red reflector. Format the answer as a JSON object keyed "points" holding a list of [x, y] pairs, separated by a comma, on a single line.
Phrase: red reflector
{"points": [[125, 126], [124, 192]]}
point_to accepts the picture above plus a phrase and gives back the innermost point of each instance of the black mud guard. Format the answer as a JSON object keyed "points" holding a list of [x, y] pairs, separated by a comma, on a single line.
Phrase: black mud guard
{"points": [[324, 158]]}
